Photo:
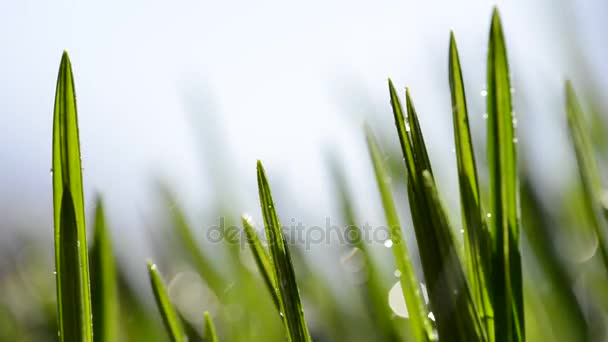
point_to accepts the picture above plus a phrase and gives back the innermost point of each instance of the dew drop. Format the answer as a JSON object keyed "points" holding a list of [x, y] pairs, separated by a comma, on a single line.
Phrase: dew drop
{"points": [[485, 116], [484, 93], [388, 243], [397, 273], [489, 215], [515, 140], [462, 231], [431, 316]]}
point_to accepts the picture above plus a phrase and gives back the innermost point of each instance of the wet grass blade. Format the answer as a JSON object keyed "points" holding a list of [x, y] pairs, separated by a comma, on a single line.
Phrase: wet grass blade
{"points": [[210, 335], [262, 260], [451, 302], [507, 291], [71, 260], [477, 239], [170, 318], [291, 306], [104, 288], [587, 167], [421, 326]]}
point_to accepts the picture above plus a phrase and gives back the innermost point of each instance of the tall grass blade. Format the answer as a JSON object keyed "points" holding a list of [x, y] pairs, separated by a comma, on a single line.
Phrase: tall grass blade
{"points": [[477, 240], [291, 306], [104, 287], [449, 296], [421, 326], [262, 260], [71, 260], [170, 318], [373, 292], [507, 291], [588, 170], [210, 335]]}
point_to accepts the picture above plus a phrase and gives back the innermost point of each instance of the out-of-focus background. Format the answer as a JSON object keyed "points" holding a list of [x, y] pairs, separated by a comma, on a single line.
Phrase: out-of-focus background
{"points": [[190, 93]]}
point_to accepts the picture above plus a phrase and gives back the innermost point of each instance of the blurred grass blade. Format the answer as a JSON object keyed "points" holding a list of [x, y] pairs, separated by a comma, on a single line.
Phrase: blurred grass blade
{"points": [[171, 320], [202, 263], [71, 260], [292, 312], [421, 326], [262, 260], [454, 310], [104, 291], [587, 167], [477, 239], [210, 335], [507, 291], [373, 292]]}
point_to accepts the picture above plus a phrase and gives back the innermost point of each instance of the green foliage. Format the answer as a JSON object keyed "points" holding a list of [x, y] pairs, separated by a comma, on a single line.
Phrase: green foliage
{"points": [[409, 283], [507, 291], [262, 260], [477, 296], [71, 260], [291, 307], [477, 239], [170, 317], [104, 291], [451, 302], [588, 170], [210, 335]]}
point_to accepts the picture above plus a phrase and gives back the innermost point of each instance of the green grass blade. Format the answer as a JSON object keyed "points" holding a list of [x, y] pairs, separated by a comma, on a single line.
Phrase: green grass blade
{"points": [[210, 335], [104, 288], [450, 293], [71, 260], [451, 302], [587, 167], [477, 239], [170, 318], [403, 131], [507, 291], [262, 260], [420, 154], [202, 263], [292, 312], [421, 326], [373, 292]]}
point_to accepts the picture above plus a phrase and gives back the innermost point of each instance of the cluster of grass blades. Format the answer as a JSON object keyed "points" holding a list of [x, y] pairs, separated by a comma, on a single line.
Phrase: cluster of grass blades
{"points": [[477, 295]]}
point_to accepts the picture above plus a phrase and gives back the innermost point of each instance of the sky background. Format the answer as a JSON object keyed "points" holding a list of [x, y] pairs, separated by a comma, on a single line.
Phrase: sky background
{"points": [[193, 92]]}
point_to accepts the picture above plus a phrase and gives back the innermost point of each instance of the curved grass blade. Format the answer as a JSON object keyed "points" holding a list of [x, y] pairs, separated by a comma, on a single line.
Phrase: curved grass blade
{"points": [[262, 260], [373, 292], [104, 288], [71, 260], [210, 335], [171, 320], [477, 240], [507, 291], [421, 326], [291, 306], [449, 296], [587, 167]]}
